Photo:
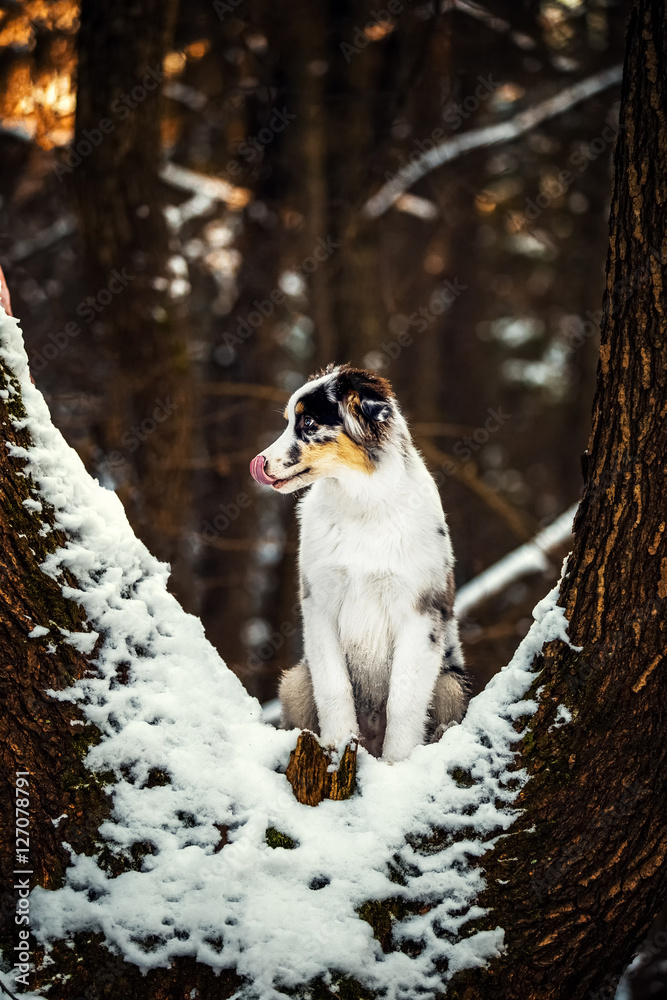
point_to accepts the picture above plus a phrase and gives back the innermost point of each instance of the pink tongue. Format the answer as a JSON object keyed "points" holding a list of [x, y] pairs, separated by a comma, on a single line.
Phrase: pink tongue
{"points": [[257, 471]]}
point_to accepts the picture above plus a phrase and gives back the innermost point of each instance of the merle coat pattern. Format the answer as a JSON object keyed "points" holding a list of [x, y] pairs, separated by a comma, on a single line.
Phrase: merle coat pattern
{"points": [[382, 658]]}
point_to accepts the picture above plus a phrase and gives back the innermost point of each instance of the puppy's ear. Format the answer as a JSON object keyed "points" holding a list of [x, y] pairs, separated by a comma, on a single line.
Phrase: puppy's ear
{"points": [[365, 403], [376, 410]]}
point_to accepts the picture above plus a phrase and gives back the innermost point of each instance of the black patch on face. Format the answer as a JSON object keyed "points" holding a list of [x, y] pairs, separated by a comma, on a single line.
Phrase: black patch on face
{"points": [[321, 409], [293, 455], [305, 589], [441, 531], [368, 402]]}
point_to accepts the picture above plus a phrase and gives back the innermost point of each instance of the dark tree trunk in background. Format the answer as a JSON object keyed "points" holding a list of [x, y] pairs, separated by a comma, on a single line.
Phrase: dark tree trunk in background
{"points": [[583, 871], [121, 48], [346, 97]]}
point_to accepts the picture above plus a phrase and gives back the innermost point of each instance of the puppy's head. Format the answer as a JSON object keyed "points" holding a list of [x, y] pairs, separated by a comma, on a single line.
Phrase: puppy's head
{"points": [[337, 424]]}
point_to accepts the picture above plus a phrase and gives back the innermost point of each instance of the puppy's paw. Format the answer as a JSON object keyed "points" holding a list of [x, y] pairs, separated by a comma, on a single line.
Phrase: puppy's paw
{"points": [[337, 740]]}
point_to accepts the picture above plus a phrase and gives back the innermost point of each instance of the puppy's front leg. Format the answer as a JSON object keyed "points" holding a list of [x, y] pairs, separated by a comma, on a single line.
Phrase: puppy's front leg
{"points": [[415, 668], [331, 682]]}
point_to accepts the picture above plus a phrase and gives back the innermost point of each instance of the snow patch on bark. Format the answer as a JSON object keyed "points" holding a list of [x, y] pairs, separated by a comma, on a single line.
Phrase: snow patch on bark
{"points": [[167, 705]]}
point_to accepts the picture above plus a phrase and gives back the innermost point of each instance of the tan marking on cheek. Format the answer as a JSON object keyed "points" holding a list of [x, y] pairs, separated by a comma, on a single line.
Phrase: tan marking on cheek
{"points": [[327, 458], [286, 414], [352, 455]]}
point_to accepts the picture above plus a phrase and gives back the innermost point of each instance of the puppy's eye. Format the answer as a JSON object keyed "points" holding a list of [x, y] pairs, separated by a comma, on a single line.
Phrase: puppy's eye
{"points": [[308, 422]]}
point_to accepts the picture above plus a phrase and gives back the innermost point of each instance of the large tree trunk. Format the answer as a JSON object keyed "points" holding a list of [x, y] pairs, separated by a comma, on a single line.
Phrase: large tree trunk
{"points": [[579, 876], [582, 876], [43, 741], [35, 733]]}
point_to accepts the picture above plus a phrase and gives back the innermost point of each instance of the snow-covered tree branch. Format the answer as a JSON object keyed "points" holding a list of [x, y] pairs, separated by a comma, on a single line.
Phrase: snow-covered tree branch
{"points": [[456, 146]]}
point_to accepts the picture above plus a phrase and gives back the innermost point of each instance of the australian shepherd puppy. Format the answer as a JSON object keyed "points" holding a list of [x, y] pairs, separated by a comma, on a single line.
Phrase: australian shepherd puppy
{"points": [[382, 657]]}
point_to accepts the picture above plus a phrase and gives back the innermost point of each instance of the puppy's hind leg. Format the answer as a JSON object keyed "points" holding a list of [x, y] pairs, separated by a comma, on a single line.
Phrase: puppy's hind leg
{"points": [[297, 700], [448, 704]]}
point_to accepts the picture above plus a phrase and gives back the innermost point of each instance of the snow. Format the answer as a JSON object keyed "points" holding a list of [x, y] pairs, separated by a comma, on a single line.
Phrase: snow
{"points": [[9, 979], [563, 716], [38, 632], [84, 642], [186, 715], [271, 711]]}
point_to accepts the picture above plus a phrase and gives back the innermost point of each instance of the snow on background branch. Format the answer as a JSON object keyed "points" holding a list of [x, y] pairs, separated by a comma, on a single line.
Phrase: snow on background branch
{"points": [[523, 122], [279, 916], [528, 558]]}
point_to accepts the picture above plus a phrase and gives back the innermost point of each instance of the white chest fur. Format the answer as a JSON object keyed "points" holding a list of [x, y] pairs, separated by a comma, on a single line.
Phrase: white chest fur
{"points": [[366, 560]]}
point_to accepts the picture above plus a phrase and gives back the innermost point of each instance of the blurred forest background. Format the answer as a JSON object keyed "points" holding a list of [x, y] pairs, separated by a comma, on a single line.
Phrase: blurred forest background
{"points": [[186, 231]]}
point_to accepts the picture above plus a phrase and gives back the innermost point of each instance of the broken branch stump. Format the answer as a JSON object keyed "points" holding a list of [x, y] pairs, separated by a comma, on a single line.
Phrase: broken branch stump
{"points": [[315, 773]]}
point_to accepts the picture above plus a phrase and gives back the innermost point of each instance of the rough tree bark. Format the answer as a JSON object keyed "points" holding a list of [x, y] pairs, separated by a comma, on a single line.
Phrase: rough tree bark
{"points": [[35, 733], [583, 872], [311, 775], [580, 875]]}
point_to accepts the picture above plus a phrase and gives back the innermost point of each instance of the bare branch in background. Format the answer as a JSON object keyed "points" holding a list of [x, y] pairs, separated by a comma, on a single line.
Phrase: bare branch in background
{"points": [[529, 558], [42, 240], [215, 188], [523, 122], [492, 21], [241, 544]]}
